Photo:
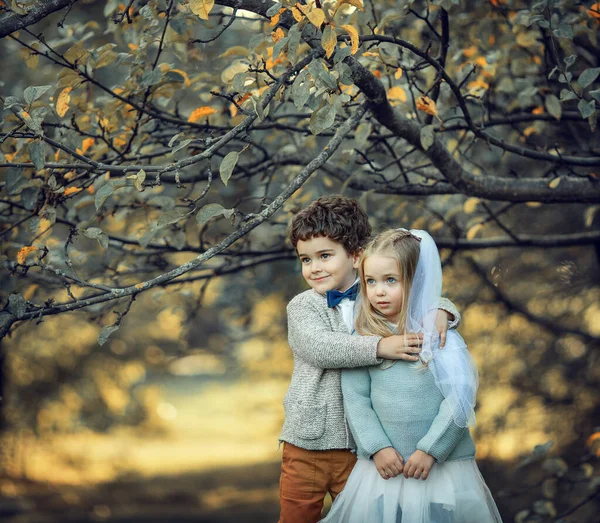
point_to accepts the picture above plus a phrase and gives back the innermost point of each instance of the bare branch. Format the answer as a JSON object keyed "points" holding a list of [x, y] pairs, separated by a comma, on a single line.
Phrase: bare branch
{"points": [[13, 22]]}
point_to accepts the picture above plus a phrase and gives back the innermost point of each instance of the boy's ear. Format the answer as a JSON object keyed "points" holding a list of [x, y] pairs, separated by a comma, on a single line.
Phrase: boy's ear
{"points": [[356, 258]]}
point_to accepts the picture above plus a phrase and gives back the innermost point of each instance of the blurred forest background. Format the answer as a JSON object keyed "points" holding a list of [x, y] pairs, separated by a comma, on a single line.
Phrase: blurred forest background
{"points": [[152, 153]]}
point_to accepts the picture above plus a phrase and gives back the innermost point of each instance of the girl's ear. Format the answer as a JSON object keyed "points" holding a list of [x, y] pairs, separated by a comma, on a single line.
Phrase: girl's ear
{"points": [[356, 258]]}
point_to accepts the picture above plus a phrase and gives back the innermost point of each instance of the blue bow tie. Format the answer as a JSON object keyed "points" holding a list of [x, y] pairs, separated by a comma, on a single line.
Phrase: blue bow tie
{"points": [[334, 297]]}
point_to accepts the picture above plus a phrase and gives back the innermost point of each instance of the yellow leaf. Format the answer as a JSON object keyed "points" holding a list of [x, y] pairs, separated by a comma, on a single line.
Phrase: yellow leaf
{"points": [[436, 226], [238, 66], [201, 112], [554, 183], [353, 37], [72, 190], [472, 232], [85, 145], [277, 35], [316, 17], [24, 252], [201, 8], [297, 14], [398, 73], [186, 78], [356, 3], [236, 50], [106, 58], [275, 19], [427, 105], [533, 205], [594, 11], [31, 58], [397, 93], [329, 40], [30, 291], [470, 205], [77, 54], [62, 103]]}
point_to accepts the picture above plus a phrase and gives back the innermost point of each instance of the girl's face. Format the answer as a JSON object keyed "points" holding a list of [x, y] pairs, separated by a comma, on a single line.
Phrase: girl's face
{"points": [[384, 287]]}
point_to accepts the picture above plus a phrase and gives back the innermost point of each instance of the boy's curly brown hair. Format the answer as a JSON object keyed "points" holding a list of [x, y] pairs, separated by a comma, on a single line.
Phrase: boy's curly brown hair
{"points": [[338, 218]]}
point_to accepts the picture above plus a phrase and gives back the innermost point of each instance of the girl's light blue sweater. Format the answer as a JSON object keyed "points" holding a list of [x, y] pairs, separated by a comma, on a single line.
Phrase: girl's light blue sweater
{"points": [[401, 407]]}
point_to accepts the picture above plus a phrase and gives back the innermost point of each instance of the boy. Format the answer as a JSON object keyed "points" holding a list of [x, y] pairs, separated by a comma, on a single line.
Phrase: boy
{"points": [[317, 446]]}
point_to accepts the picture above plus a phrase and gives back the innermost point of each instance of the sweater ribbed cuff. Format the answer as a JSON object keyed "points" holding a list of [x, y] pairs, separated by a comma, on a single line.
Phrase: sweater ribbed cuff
{"points": [[374, 446], [442, 446]]}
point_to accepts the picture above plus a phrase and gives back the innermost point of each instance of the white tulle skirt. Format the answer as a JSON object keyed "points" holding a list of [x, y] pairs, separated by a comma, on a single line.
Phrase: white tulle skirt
{"points": [[454, 492]]}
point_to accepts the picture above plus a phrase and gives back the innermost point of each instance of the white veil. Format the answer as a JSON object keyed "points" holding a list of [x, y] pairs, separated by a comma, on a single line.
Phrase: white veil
{"points": [[452, 366]]}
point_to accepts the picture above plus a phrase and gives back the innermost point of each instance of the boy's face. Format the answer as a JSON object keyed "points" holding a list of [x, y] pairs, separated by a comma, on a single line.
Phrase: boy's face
{"points": [[326, 265]]}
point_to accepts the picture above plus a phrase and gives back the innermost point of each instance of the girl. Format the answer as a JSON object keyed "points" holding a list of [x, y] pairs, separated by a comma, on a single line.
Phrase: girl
{"points": [[416, 457]]}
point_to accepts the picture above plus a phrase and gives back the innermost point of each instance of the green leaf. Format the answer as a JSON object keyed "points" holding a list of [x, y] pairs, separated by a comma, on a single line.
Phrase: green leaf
{"points": [[164, 202], [94, 233], [37, 150], [147, 237], [446, 4], [34, 223], [588, 76], [15, 182], [50, 214], [321, 74], [181, 145], [567, 94], [274, 9], [553, 106], [52, 183], [570, 60], [427, 136], [227, 166], [564, 31], [103, 193], [33, 93], [29, 197], [106, 332], [169, 218], [278, 47], [293, 41], [11, 101], [138, 179], [300, 92], [174, 76], [361, 136], [173, 139], [595, 94], [179, 25], [211, 211], [586, 108], [322, 119], [150, 78]]}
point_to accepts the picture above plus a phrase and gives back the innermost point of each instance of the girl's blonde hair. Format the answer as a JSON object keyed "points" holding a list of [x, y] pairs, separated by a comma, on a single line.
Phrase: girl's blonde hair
{"points": [[405, 248]]}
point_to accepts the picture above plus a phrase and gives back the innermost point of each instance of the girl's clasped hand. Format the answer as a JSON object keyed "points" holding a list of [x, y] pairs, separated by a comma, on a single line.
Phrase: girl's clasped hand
{"points": [[390, 464]]}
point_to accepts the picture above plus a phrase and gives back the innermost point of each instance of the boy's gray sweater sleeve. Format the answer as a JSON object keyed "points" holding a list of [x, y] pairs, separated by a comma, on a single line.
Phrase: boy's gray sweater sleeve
{"points": [[450, 308], [312, 339], [364, 422]]}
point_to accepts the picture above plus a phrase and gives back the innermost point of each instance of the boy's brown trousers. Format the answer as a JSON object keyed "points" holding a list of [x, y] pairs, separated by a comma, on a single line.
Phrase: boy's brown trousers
{"points": [[306, 477]]}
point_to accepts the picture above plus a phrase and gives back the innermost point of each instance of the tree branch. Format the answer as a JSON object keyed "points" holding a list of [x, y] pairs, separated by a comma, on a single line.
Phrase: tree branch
{"points": [[13, 22], [7, 320]]}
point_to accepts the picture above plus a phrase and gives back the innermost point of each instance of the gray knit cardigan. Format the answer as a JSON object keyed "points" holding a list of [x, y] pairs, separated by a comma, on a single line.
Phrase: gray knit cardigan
{"points": [[322, 346]]}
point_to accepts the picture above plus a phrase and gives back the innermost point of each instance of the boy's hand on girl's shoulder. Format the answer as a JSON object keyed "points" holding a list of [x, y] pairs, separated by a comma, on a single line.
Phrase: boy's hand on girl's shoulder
{"points": [[400, 347], [441, 324], [419, 465], [389, 462]]}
